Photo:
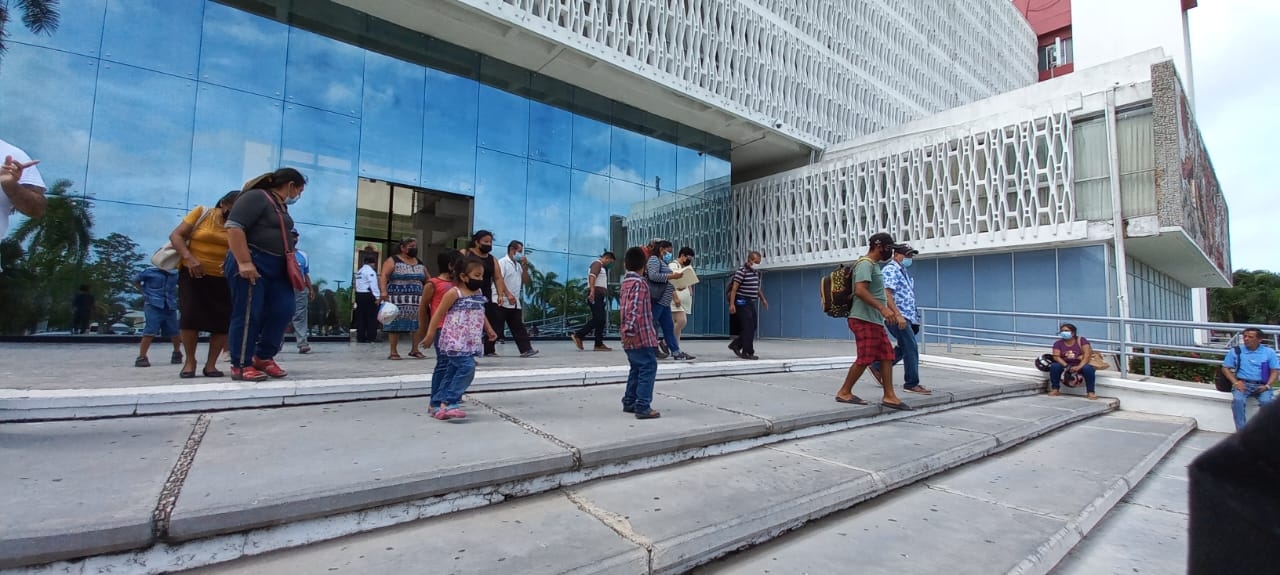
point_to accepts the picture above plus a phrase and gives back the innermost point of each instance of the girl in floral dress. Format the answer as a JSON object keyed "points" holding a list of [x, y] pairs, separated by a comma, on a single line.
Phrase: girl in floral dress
{"points": [[460, 323]]}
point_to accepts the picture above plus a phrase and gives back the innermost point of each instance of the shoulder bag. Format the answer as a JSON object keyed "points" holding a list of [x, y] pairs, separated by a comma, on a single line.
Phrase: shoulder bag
{"points": [[167, 257], [291, 267]]}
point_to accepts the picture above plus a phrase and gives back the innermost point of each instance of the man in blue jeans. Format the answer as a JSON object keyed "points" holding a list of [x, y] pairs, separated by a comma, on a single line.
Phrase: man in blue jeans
{"points": [[900, 289], [1252, 372]]}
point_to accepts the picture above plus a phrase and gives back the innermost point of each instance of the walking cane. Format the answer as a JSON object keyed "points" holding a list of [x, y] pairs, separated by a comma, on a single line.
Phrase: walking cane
{"points": [[244, 339]]}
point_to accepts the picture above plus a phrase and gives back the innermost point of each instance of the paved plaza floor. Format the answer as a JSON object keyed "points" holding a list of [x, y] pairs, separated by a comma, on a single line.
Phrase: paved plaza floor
{"points": [[49, 366]]}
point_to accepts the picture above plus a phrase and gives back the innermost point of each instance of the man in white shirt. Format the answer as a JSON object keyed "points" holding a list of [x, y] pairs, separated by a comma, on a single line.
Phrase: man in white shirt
{"points": [[367, 296], [515, 273], [22, 184]]}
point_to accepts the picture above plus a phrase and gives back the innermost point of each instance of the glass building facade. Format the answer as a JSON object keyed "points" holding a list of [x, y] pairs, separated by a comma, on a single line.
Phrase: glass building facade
{"points": [[149, 108]]}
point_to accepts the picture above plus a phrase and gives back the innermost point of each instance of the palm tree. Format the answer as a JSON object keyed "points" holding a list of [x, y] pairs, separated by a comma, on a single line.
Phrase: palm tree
{"points": [[39, 16], [63, 234]]}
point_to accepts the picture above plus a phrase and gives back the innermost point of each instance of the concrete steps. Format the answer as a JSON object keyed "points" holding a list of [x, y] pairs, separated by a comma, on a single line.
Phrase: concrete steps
{"points": [[673, 519], [164, 493], [1019, 512], [1148, 531]]}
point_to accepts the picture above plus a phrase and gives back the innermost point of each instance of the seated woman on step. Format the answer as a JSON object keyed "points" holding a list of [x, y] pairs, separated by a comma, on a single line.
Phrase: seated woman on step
{"points": [[1071, 355]]}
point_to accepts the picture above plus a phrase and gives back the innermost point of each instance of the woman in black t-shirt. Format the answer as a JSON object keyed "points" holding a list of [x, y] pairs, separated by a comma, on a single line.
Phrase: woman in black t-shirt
{"points": [[262, 296], [481, 247]]}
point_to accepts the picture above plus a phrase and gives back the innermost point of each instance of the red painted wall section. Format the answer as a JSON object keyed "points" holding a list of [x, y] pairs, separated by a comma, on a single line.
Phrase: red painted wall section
{"points": [[1046, 16]]}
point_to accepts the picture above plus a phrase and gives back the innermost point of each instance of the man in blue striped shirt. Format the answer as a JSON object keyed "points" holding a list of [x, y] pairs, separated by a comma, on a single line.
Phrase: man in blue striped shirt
{"points": [[744, 290]]}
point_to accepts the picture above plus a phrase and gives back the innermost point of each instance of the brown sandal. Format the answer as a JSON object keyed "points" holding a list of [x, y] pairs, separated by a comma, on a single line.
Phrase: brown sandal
{"points": [[394, 356], [417, 355]]}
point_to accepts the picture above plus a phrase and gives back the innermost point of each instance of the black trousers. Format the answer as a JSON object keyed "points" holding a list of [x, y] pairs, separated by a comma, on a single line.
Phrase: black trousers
{"points": [[492, 312], [597, 321], [746, 340], [366, 317], [513, 319]]}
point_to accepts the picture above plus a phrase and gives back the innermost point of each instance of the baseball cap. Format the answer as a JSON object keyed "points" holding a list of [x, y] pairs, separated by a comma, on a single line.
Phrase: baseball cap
{"points": [[905, 249], [880, 239]]}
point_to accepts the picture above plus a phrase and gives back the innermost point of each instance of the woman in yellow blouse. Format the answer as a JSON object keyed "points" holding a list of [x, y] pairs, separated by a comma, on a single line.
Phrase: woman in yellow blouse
{"points": [[204, 300]]}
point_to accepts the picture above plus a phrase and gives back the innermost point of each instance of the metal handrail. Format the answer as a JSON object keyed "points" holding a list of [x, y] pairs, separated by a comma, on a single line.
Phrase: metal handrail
{"points": [[1128, 346]]}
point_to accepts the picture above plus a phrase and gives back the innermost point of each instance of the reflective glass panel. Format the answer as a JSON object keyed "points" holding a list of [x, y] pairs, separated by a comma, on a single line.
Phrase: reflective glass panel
{"points": [[660, 164], [590, 145], [547, 206], [626, 159], [53, 127], [500, 193], [544, 297], [237, 138], [690, 171], [79, 28], [717, 170], [142, 131], [504, 121], [391, 142], [157, 35], [330, 253], [449, 133], [404, 204], [628, 199], [243, 51], [372, 208], [324, 73], [550, 131], [577, 312], [324, 146], [148, 227], [589, 214]]}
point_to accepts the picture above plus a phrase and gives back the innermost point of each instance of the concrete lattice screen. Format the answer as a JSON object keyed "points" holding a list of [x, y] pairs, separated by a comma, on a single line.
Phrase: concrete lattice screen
{"points": [[820, 71], [1010, 184]]}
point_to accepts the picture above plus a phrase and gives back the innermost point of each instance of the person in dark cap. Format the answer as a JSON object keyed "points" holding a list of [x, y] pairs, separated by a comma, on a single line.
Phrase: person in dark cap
{"points": [[900, 290], [870, 310]]}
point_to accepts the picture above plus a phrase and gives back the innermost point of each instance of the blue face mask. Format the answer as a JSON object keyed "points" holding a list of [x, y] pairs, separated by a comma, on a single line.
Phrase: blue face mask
{"points": [[292, 201], [906, 262], [1064, 334], [666, 258], [519, 256]]}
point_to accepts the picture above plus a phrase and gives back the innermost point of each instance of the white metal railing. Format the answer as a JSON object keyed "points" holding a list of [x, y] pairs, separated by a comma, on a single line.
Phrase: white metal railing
{"points": [[1126, 338]]}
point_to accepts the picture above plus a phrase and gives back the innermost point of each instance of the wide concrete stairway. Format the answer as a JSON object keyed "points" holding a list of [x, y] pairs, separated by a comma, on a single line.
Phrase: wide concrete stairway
{"points": [[561, 481]]}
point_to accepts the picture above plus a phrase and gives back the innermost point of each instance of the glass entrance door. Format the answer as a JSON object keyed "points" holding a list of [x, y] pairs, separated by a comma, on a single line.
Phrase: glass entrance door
{"points": [[387, 213]]}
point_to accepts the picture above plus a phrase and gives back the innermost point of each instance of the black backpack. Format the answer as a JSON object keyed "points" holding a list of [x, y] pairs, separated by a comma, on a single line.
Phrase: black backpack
{"points": [[1220, 380]]}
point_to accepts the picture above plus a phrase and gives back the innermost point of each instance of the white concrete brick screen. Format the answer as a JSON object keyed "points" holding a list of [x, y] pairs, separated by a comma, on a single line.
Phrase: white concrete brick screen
{"points": [[825, 70], [994, 188], [696, 220]]}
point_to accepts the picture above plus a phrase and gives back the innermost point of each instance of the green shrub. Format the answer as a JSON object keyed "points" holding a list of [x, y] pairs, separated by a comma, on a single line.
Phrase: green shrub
{"points": [[1179, 370]]}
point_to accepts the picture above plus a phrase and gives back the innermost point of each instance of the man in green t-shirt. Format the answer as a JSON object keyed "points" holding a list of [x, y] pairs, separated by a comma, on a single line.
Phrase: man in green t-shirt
{"points": [[871, 308]]}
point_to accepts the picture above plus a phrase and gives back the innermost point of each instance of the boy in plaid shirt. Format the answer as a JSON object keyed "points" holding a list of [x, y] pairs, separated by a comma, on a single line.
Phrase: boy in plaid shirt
{"points": [[639, 339]]}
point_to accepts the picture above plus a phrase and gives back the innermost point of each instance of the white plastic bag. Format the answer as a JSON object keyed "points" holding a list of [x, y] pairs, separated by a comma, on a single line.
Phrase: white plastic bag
{"points": [[387, 313]]}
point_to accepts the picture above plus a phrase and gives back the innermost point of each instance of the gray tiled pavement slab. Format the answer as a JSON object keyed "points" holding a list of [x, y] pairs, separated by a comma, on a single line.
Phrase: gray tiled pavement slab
{"points": [[535, 536], [964, 384], [263, 467], [785, 409], [916, 531], [60, 500], [578, 416], [698, 508], [987, 517], [1147, 532]]}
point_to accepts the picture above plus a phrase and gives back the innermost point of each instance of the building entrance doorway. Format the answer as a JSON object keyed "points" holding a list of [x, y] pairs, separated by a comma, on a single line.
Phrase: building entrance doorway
{"points": [[387, 212]]}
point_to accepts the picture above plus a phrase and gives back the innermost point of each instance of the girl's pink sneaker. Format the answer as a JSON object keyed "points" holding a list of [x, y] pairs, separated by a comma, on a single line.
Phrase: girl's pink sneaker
{"points": [[441, 414]]}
